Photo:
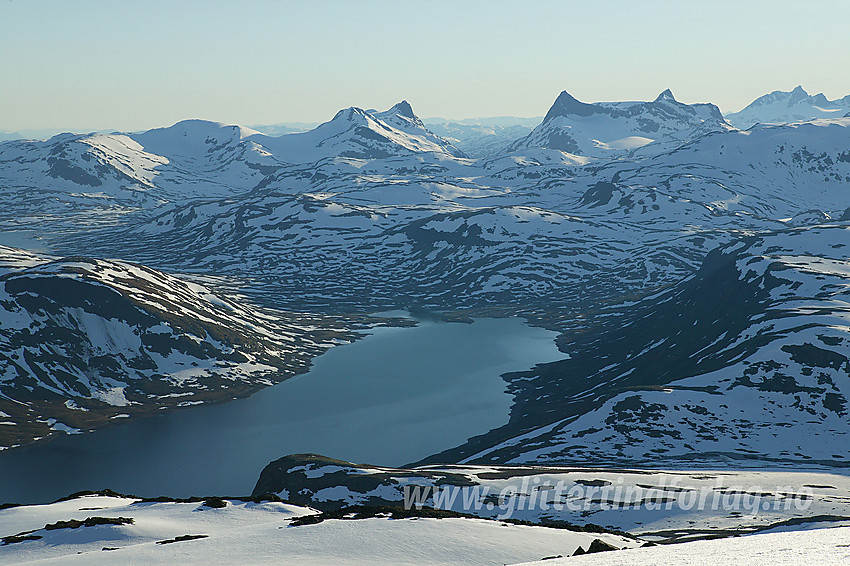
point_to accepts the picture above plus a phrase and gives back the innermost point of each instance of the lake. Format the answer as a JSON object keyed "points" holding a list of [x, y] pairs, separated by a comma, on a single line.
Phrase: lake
{"points": [[394, 397]]}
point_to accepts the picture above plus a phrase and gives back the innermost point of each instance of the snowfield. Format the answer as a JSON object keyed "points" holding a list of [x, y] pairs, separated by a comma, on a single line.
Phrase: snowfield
{"points": [[824, 547], [260, 533], [657, 505]]}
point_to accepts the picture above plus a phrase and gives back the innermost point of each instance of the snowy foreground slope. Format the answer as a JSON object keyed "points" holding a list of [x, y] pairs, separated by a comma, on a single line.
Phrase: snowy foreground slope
{"points": [[263, 533], [84, 341], [657, 505], [824, 547], [117, 529]]}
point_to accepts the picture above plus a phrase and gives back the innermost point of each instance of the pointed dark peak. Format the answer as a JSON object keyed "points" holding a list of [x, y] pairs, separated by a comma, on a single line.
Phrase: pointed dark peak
{"points": [[403, 109], [666, 95], [797, 95], [820, 99], [567, 105]]}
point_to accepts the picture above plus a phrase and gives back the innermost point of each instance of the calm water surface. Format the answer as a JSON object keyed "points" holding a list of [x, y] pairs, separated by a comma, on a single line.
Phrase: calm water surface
{"points": [[397, 396]]}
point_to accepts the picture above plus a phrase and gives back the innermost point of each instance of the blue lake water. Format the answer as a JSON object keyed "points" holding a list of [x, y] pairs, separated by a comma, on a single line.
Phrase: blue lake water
{"points": [[27, 240], [396, 396]]}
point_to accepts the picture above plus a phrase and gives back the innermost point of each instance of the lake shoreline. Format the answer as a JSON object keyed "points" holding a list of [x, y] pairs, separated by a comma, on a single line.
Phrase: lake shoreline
{"points": [[432, 407]]}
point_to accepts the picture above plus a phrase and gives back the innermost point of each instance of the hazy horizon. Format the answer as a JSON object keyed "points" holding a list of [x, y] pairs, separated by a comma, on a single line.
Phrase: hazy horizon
{"points": [[95, 65]]}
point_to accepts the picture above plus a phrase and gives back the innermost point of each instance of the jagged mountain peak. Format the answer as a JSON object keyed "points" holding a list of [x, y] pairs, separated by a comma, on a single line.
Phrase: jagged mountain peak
{"points": [[666, 95], [403, 108], [566, 105], [363, 134], [797, 95], [795, 105], [614, 129], [400, 115], [820, 99]]}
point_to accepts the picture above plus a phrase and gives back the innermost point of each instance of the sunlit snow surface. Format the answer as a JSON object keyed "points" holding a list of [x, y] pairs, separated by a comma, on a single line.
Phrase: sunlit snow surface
{"points": [[794, 106], [252, 533], [824, 547]]}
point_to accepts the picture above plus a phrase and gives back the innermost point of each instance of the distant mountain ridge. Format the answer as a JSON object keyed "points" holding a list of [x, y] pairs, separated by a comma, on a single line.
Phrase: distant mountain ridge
{"points": [[613, 129], [483, 137], [793, 106], [363, 134], [71, 176]]}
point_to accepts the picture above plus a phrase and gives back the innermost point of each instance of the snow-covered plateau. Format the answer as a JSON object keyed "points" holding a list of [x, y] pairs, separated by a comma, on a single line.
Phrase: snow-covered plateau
{"points": [[216, 531], [110, 528]]}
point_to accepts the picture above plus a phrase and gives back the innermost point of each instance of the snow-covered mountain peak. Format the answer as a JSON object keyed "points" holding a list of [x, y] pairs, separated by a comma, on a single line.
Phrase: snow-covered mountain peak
{"points": [[403, 109], [798, 93], [200, 142], [350, 114], [188, 131], [115, 170], [789, 97], [567, 105], [400, 116], [666, 95], [789, 106], [343, 121], [615, 129], [362, 134]]}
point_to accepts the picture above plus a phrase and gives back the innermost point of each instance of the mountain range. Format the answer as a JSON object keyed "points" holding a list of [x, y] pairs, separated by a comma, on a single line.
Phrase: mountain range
{"points": [[794, 106], [695, 270], [610, 129]]}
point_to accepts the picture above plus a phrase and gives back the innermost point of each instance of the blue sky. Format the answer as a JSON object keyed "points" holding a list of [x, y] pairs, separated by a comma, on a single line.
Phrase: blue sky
{"points": [[91, 64]]}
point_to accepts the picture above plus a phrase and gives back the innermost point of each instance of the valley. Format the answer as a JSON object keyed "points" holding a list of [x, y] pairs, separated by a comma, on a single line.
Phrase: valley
{"points": [[621, 293]]}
